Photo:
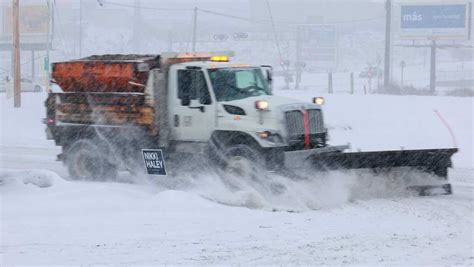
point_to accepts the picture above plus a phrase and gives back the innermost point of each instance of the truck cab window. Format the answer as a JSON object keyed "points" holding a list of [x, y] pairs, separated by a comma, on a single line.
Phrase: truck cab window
{"points": [[247, 78], [238, 83], [191, 86]]}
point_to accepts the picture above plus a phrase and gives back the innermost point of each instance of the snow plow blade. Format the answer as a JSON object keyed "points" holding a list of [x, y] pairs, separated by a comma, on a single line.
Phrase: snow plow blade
{"points": [[430, 190], [431, 161]]}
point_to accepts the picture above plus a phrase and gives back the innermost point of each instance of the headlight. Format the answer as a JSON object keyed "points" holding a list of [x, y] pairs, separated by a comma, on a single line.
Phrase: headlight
{"points": [[264, 135], [261, 105], [318, 100], [270, 137]]}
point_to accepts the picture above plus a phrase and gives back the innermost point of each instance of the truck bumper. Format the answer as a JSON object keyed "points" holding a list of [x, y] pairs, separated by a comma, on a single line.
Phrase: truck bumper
{"points": [[298, 159]]}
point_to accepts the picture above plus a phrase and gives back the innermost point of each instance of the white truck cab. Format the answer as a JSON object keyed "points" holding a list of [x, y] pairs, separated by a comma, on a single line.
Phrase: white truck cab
{"points": [[206, 96]]}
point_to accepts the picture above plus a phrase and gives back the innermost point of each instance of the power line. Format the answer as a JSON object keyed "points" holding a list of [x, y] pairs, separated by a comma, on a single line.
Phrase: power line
{"points": [[16, 54], [216, 13], [228, 15], [193, 22], [142, 7], [276, 35], [61, 30], [24, 63], [285, 22]]}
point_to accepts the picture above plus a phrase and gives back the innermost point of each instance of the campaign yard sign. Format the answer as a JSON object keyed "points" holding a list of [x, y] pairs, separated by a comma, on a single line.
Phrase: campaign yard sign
{"points": [[154, 161], [434, 21]]}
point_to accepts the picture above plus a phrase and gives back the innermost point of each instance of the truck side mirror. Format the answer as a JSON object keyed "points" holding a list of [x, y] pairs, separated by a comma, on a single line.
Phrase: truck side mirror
{"points": [[269, 76], [185, 101], [205, 99], [204, 96], [268, 73]]}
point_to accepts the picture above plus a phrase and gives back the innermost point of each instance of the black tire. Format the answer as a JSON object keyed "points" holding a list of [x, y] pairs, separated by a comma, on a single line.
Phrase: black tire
{"points": [[254, 173], [86, 160], [37, 88], [242, 160]]}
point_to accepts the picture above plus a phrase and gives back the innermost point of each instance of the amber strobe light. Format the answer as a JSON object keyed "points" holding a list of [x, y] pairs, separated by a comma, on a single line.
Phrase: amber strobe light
{"points": [[220, 58]]}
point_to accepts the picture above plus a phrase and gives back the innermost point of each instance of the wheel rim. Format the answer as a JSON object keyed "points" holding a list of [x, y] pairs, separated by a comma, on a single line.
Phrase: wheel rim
{"points": [[240, 166], [85, 163]]}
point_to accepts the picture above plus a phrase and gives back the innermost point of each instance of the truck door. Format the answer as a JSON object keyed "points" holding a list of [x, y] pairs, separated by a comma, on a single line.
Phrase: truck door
{"points": [[193, 111]]}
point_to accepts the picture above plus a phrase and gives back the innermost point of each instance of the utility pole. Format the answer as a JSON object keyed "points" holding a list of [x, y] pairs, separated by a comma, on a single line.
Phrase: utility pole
{"points": [[285, 71], [402, 68], [378, 73], [330, 84], [33, 65], [433, 67], [80, 28], [48, 40], [299, 33], [16, 59], [352, 83], [195, 28], [388, 21]]}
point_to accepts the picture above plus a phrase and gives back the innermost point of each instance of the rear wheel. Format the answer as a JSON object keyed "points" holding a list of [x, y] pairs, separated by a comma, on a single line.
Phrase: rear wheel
{"points": [[86, 160]]}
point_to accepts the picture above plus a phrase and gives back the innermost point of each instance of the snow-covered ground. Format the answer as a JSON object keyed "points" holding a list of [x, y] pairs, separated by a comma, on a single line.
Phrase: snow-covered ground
{"points": [[49, 220]]}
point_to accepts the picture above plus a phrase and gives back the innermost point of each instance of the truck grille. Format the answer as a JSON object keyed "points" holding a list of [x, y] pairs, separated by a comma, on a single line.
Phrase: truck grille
{"points": [[316, 124], [295, 123]]}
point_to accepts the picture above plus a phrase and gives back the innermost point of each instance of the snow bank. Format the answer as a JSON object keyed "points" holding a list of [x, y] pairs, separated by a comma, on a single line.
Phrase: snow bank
{"points": [[275, 192], [88, 223], [304, 192], [38, 178], [23, 126]]}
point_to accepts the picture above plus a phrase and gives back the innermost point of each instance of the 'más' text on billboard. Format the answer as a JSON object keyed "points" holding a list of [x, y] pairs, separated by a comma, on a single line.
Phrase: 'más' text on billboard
{"points": [[440, 21]]}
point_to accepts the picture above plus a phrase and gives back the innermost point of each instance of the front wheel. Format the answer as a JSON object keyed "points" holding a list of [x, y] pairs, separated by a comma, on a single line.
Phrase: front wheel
{"points": [[245, 168], [87, 161], [243, 161]]}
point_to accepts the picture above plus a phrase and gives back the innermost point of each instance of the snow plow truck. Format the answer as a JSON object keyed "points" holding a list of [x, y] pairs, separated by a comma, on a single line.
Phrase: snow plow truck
{"points": [[201, 105]]}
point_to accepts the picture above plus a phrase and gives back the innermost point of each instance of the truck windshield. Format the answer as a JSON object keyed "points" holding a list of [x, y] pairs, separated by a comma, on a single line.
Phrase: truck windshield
{"points": [[238, 83]]}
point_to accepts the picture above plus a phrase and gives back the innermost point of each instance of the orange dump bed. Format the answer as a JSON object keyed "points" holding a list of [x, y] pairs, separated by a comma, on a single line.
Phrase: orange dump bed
{"points": [[106, 73]]}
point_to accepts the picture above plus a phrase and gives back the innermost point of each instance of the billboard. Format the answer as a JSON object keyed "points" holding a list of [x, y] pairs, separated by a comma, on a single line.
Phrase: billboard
{"points": [[318, 43], [434, 21], [34, 23], [33, 20]]}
